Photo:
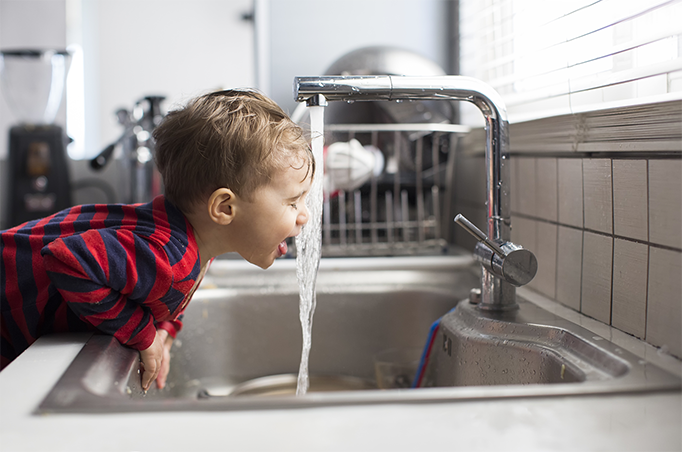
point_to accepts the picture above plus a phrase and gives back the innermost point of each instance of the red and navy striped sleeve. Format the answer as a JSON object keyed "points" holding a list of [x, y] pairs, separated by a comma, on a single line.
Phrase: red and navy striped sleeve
{"points": [[122, 269], [106, 277]]}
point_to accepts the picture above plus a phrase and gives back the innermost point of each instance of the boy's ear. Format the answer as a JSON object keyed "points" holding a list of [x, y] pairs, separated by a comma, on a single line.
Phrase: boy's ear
{"points": [[221, 206]]}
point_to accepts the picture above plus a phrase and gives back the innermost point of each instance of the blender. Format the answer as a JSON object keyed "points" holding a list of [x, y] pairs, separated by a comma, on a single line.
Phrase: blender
{"points": [[32, 82]]}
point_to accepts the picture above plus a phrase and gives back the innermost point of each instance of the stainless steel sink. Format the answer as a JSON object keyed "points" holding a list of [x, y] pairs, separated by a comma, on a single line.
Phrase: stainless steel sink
{"points": [[234, 337], [526, 347]]}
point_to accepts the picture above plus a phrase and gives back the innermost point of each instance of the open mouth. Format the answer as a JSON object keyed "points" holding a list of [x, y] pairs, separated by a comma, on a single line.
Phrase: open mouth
{"points": [[282, 248]]}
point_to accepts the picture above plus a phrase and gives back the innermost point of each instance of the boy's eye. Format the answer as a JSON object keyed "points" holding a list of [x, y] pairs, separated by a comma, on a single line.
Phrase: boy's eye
{"points": [[294, 206]]}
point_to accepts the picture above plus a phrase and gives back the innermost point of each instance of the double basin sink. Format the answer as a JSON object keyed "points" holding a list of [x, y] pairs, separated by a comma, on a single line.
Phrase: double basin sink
{"points": [[240, 347]]}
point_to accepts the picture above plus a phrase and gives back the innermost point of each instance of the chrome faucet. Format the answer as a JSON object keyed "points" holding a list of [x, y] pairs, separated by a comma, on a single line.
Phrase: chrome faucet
{"points": [[504, 264]]}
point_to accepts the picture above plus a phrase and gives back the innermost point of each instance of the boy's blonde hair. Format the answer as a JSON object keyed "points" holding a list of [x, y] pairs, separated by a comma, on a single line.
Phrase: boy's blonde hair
{"points": [[236, 139]]}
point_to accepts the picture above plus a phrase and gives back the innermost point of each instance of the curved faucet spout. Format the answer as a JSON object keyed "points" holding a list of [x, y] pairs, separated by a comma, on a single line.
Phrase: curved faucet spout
{"points": [[406, 88], [496, 293], [400, 87]]}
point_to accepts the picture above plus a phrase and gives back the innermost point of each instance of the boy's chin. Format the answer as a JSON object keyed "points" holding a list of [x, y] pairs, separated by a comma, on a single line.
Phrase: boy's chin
{"points": [[266, 266], [264, 263]]}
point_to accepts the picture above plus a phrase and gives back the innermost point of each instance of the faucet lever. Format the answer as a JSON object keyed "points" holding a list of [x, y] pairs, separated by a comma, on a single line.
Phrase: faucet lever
{"points": [[480, 235], [506, 260]]}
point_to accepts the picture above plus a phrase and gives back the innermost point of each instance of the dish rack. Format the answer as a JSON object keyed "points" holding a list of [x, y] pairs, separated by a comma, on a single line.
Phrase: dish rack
{"points": [[399, 211]]}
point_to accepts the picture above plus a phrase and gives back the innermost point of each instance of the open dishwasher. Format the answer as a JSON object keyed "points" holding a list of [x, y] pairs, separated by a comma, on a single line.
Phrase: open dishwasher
{"points": [[401, 207]]}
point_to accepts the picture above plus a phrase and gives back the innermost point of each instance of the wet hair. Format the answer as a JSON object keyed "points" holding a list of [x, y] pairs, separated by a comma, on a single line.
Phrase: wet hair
{"points": [[238, 139]]}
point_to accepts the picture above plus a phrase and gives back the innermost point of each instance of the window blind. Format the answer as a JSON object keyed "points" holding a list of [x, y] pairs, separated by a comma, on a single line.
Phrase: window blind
{"points": [[550, 58]]}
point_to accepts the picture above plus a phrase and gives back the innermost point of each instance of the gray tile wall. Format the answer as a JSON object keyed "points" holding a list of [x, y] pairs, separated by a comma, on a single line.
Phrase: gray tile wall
{"points": [[607, 233]]}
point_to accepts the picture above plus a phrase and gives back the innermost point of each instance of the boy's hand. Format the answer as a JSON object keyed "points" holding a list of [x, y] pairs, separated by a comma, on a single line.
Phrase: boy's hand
{"points": [[156, 360]]}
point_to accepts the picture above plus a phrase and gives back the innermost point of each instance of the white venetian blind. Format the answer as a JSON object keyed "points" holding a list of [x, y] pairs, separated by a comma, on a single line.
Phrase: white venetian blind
{"points": [[555, 57]]}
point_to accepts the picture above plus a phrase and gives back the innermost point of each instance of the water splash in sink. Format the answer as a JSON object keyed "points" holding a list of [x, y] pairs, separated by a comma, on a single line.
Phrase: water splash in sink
{"points": [[308, 248]]}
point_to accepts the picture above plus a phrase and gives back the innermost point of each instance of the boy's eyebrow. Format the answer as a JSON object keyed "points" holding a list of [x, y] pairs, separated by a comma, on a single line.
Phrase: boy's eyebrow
{"points": [[294, 198]]}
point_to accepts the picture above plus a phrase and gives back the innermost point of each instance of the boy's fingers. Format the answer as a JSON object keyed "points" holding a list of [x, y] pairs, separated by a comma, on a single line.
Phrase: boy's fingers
{"points": [[150, 370], [155, 361], [163, 371], [165, 363], [161, 379], [147, 380]]}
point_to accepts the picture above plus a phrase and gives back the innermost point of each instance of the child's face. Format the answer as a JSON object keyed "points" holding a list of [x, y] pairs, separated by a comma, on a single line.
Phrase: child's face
{"points": [[277, 211]]}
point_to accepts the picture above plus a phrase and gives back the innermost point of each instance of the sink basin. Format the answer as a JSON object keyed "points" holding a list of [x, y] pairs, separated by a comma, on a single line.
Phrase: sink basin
{"points": [[525, 347], [241, 345]]}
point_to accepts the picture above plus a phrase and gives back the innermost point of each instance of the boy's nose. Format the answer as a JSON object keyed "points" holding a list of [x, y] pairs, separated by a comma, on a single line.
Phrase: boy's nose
{"points": [[303, 214]]}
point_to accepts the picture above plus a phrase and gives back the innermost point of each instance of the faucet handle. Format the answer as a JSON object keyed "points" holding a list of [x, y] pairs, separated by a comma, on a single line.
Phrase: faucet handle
{"points": [[506, 260], [480, 235]]}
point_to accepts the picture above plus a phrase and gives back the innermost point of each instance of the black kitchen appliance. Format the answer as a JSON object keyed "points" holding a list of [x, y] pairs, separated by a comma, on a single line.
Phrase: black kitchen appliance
{"points": [[33, 85]]}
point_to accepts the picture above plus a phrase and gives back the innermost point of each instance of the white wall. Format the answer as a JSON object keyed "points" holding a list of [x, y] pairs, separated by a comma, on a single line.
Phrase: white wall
{"points": [[307, 36], [29, 24], [180, 48], [175, 48]]}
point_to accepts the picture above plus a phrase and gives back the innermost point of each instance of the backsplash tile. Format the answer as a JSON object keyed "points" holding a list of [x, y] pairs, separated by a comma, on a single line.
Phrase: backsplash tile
{"points": [[569, 266], [524, 233], [607, 231], [526, 174], [546, 189], [664, 309], [596, 276], [630, 262], [546, 246], [514, 185], [570, 195], [665, 202], [630, 216], [597, 195]]}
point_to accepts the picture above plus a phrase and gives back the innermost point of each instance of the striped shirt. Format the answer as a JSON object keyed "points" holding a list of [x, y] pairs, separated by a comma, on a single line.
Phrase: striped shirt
{"points": [[124, 270]]}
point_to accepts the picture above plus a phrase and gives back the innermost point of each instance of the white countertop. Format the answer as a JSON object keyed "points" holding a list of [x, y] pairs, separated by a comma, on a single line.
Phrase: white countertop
{"points": [[647, 422]]}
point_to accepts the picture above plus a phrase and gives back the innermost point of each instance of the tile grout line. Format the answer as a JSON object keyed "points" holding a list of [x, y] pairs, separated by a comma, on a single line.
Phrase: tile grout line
{"points": [[648, 254], [582, 251], [602, 233], [613, 245], [556, 234]]}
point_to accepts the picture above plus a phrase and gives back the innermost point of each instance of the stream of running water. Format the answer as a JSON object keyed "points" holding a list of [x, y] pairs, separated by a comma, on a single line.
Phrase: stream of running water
{"points": [[309, 247]]}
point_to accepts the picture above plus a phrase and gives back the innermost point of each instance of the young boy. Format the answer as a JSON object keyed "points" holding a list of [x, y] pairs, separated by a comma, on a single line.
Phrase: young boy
{"points": [[236, 172]]}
